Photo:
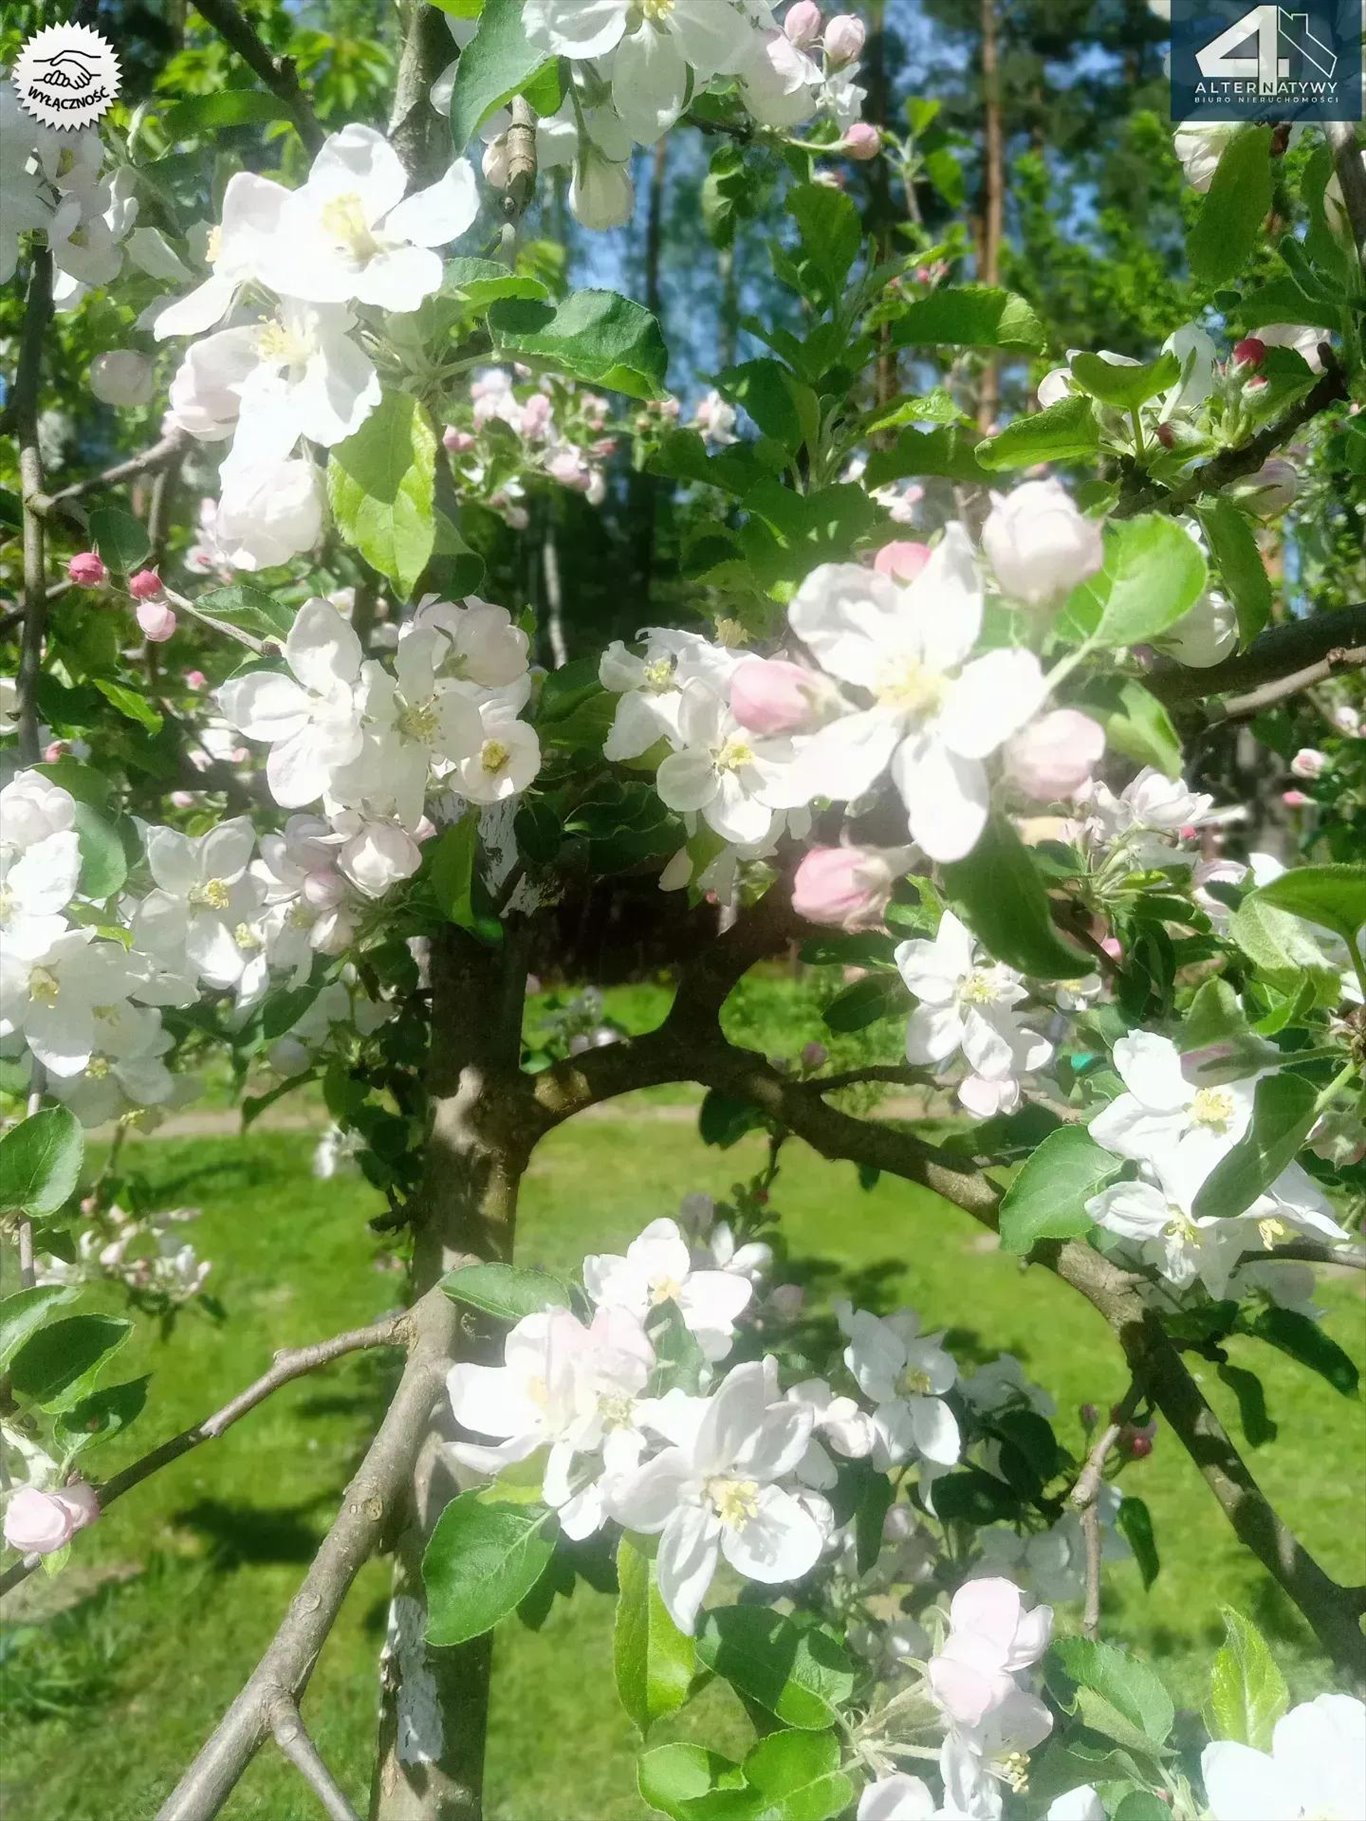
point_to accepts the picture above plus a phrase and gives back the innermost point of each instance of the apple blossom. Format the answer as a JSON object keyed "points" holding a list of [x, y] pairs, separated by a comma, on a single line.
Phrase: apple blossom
{"points": [[146, 585], [844, 38], [903, 559], [735, 779], [1204, 636], [1038, 544], [774, 696], [1161, 1116], [86, 570], [966, 1004], [122, 378], [37, 1522], [237, 246], [157, 620], [779, 82], [1309, 762], [1055, 755], [935, 715], [850, 887], [269, 511], [802, 24], [1303, 339], [905, 1375], [1271, 490], [33, 808], [1080, 1804], [1316, 1767], [1199, 148], [601, 193], [991, 1638], [898, 1798], [861, 141], [713, 1492], [504, 760], [56, 991], [657, 1268]]}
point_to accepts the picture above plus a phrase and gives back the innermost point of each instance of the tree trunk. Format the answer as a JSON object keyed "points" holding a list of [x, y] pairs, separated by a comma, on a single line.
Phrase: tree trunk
{"points": [[434, 1703], [992, 201]]}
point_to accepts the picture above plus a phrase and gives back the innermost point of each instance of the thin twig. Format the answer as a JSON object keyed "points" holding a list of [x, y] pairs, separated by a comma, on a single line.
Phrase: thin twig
{"points": [[289, 1364], [897, 1074], [160, 455], [1084, 1496], [291, 1736], [1242, 708], [277, 73], [1315, 1252], [37, 311]]}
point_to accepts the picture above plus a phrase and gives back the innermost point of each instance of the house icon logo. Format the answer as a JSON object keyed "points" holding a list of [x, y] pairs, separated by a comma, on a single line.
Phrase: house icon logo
{"points": [[1233, 62]]}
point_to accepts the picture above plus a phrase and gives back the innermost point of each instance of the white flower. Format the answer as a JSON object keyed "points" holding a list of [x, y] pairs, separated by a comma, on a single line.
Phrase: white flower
{"points": [[848, 1429], [206, 877], [1002, 1383], [1155, 1211], [505, 759], [1316, 1767], [416, 720], [37, 883], [125, 1067], [1080, 1804], [1199, 148], [657, 1268], [934, 717], [780, 84], [1300, 337], [601, 193], [269, 512], [898, 1798], [735, 778], [1039, 544], [1162, 1118], [122, 378], [991, 1637], [311, 721], [980, 1763], [484, 647], [57, 995], [349, 235], [251, 221], [374, 854], [905, 1374], [751, 1260], [32, 808], [1205, 635], [713, 1493], [967, 1005], [651, 686]]}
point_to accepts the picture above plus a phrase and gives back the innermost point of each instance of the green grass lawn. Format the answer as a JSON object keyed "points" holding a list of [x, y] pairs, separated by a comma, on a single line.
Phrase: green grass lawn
{"points": [[165, 1606]]}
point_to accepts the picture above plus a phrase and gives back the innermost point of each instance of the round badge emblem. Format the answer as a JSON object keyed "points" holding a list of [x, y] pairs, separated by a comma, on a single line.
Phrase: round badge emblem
{"points": [[66, 76]]}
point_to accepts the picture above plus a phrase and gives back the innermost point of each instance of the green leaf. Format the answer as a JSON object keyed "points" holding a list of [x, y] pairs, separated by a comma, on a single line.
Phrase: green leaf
{"points": [[40, 1161], [460, 893], [722, 1120], [1143, 1805], [948, 451], [83, 782], [1125, 388], [224, 108], [1333, 897], [59, 1364], [1126, 1688], [1247, 1690], [653, 1660], [104, 864], [1047, 1200], [596, 336], [120, 539], [481, 282], [1153, 574], [970, 316], [830, 233], [483, 1560], [1239, 561], [1302, 1339], [497, 63], [1004, 904], [780, 404], [253, 609], [1258, 1426], [1282, 1113], [507, 1291], [1135, 722], [801, 1675], [1273, 939], [380, 483], [798, 1777], [936, 407], [1135, 1524], [672, 1775], [865, 1001], [1064, 432], [25, 1312], [102, 1415], [130, 704], [1235, 206]]}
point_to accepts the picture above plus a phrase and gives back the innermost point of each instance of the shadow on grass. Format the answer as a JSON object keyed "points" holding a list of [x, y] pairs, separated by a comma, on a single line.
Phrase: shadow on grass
{"points": [[241, 1534]]}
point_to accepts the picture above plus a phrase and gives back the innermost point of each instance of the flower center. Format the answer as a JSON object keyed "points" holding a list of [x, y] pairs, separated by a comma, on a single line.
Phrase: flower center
{"points": [[1272, 1231], [665, 1290], [615, 1409], [659, 675], [914, 1382], [213, 894], [910, 687], [274, 341], [97, 1068], [1212, 1107], [978, 989], [735, 1502], [656, 11], [418, 720], [1180, 1226], [246, 937], [44, 986], [734, 754], [6, 904], [1013, 1770], [344, 219], [493, 755], [300, 916], [538, 1391]]}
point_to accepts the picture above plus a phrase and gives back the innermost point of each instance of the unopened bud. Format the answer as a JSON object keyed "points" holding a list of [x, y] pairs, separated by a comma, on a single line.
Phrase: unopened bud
{"points": [[86, 569], [844, 38], [145, 585], [1249, 352], [861, 141], [814, 1055], [802, 25]]}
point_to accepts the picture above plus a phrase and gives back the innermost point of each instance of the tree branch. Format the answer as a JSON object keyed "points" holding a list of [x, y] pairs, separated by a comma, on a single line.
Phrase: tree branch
{"points": [[369, 1507], [1231, 464], [277, 73], [37, 312], [1351, 173], [1282, 652], [150, 461], [1242, 708], [1084, 1496], [292, 1737], [289, 1364]]}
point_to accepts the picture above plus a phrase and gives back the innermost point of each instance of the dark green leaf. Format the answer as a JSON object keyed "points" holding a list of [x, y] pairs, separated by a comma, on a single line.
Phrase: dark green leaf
{"points": [[1333, 897], [831, 235], [25, 1312], [1283, 1110], [596, 336], [40, 1161], [800, 1674], [223, 108], [1006, 907], [1047, 1200], [1064, 432], [978, 1497], [59, 1364], [131, 705], [103, 1414], [780, 404], [104, 864], [380, 483], [497, 63], [948, 451], [482, 1560], [970, 316], [507, 1291], [459, 891], [653, 1660], [1234, 208], [481, 282], [1252, 1411], [1143, 1805], [865, 1001], [723, 1120], [1304, 1340], [253, 609], [1135, 1523], [120, 539], [1126, 1687], [671, 1776], [1247, 1690]]}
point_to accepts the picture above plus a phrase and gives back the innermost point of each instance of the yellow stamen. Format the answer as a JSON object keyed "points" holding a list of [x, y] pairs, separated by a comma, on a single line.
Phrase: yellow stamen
{"points": [[344, 219], [213, 894], [1212, 1107], [735, 1502], [493, 755], [44, 986], [910, 687]]}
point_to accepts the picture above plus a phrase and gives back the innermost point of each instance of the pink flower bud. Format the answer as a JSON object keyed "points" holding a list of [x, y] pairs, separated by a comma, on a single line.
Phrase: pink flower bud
{"points": [[80, 1500], [58, 749], [862, 141], [847, 886], [1113, 947], [146, 585], [844, 37], [802, 24], [195, 679], [771, 695], [183, 799], [813, 1055], [86, 569], [1249, 352], [156, 619], [902, 560], [535, 415], [1309, 762], [38, 1522], [324, 889], [568, 468], [1295, 799], [1054, 756], [457, 441]]}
